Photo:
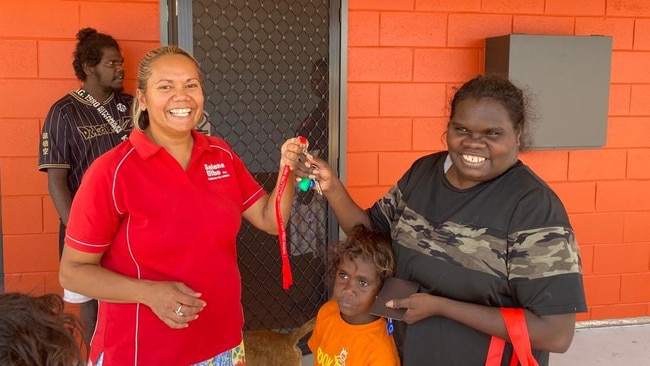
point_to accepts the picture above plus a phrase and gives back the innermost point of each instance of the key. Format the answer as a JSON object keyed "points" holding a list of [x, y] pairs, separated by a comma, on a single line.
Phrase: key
{"points": [[320, 191]]}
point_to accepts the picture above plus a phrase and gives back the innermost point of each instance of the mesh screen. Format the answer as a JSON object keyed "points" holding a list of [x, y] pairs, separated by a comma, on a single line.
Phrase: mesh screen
{"points": [[266, 79]]}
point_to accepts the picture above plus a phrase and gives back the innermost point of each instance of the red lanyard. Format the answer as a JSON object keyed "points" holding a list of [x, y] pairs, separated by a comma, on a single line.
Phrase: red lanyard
{"points": [[287, 280], [518, 332]]}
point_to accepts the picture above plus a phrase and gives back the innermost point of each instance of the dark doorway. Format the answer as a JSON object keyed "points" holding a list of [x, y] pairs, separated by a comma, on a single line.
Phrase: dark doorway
{"points": [[267, 68]]}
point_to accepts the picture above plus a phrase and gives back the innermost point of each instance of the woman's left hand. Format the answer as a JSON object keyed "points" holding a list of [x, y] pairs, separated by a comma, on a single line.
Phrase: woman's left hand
{"points": [[418, 306], [290, 152], [173, 302]]}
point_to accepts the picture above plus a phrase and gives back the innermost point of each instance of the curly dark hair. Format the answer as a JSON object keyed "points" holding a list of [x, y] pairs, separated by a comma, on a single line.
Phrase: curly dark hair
{"points": [[89, 50], [499, 88], [35, 331], [367, 245]]}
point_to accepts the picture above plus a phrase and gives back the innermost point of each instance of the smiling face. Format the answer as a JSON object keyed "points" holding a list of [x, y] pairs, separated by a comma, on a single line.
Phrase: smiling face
{"points": [[108, 74], [355, 288], [173, 96], [482, 142]]}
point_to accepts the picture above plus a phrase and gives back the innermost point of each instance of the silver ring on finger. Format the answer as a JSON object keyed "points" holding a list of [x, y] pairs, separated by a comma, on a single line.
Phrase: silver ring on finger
{"points": [[179, 311]]}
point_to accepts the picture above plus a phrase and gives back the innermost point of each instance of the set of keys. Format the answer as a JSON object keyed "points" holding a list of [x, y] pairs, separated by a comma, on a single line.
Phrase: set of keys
{"points": [[305, 183]]}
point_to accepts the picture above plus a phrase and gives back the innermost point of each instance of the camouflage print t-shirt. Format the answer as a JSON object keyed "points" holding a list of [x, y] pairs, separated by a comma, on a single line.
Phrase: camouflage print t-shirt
{"points": [[505, 242]]}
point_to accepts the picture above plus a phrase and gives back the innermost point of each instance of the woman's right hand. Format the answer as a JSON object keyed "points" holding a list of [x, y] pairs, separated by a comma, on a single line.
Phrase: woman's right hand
{"points": [[82, 272], [173, 302]]}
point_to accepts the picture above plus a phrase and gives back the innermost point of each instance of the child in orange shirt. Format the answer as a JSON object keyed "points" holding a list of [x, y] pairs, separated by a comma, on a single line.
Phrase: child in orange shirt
{"points": [[345, 331]]}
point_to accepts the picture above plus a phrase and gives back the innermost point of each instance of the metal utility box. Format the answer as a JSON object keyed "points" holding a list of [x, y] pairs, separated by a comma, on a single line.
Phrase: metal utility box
{"points": [[567, 79]]}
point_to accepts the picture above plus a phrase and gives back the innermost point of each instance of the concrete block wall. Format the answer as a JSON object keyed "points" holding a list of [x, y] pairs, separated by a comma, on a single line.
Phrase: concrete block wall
{"points": [[37, 39]]}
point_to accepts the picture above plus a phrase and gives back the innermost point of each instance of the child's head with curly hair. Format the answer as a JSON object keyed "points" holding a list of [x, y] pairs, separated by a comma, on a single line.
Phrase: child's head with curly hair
{"points": [[35, 331], [358, 267]]}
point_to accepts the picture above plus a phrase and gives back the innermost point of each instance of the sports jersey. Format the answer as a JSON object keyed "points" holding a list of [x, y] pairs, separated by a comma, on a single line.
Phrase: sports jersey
{"points": [[75, 134], [154, 220], [503, 243], [334, 342]]}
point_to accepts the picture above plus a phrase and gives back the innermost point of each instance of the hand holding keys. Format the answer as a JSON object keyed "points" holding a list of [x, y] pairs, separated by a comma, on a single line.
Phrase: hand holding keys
{"points": [[305, 183]]}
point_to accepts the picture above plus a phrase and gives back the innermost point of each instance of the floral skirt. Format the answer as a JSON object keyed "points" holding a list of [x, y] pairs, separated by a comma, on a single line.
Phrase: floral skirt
{"points": [[231, 357]]}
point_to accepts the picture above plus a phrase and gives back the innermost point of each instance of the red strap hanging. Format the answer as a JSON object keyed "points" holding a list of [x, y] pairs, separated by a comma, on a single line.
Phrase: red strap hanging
{"points": [[495, 352], [518, 331], [287, 280]]}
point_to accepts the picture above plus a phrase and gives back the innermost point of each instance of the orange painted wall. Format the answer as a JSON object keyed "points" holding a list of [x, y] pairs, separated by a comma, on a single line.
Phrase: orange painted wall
{"points": [[404, 58], [37, 38]]}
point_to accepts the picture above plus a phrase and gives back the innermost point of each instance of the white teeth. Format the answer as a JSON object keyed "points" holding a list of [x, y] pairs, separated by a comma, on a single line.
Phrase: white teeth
{"points": [[473, 159], [181, 112]]}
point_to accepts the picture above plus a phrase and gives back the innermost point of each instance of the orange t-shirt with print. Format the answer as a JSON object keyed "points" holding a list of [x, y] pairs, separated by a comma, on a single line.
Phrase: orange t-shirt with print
{"points": [[337, 343]]}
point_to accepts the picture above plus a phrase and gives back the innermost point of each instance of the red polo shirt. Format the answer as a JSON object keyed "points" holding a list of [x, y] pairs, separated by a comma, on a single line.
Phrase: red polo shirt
{"points": [[153, 220]]}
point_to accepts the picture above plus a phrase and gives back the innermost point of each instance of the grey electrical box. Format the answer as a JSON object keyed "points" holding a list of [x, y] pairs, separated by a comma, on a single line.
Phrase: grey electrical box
{"points": [[567, 78]]}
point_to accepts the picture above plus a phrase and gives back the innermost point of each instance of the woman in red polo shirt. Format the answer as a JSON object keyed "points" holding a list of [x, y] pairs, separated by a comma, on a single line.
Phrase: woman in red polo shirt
{"points": [[142, 235]]}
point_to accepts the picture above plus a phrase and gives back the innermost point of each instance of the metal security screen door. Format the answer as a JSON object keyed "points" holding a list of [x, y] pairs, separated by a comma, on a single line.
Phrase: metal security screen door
{"points": [[266, 66]]}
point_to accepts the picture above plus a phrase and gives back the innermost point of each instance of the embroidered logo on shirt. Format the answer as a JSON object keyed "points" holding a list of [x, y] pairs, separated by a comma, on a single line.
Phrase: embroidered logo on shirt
{"points": [[121, 107], [45, 143], [91, 132], [216, 171]]}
